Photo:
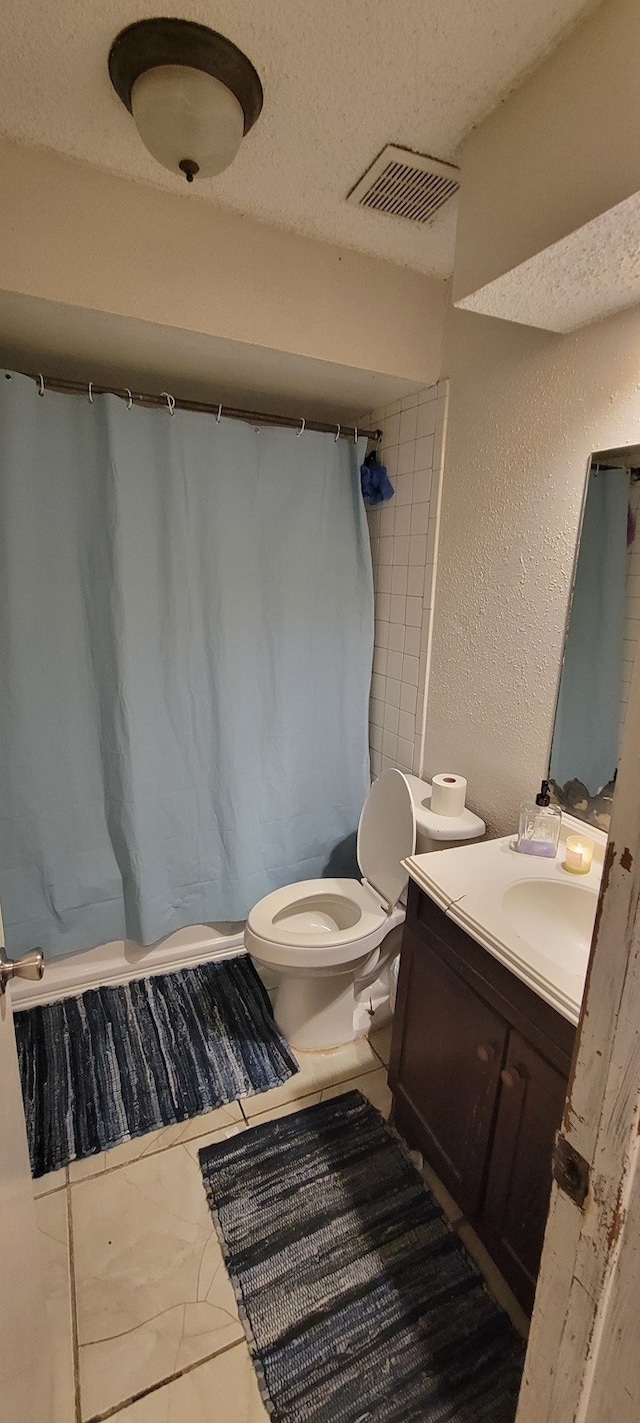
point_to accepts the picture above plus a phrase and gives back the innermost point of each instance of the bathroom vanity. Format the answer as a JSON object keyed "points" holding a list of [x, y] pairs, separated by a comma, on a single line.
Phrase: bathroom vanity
{"points": [[479, 1070], [483, 1039]]}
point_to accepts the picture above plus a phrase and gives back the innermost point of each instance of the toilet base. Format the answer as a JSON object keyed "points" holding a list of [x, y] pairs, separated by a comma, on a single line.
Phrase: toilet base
{"points": [[316, 1013]]}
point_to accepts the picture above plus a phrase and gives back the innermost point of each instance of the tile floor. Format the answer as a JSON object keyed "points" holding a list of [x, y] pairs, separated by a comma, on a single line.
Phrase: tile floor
{"points": [[142, 1314]]}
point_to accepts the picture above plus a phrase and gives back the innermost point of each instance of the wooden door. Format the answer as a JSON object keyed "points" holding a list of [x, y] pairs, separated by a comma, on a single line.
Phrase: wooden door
{"points": [[583, 1361], [25, 1365], [516, 1203], [447, 1077]]}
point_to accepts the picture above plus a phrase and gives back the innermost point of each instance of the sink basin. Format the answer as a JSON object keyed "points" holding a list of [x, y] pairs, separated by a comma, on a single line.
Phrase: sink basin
{"points": [[528, 912], [552, 916]]}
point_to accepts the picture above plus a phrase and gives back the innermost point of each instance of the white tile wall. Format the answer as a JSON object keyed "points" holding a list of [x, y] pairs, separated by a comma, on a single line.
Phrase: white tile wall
{"points": [[404, 535], [632, 622]]}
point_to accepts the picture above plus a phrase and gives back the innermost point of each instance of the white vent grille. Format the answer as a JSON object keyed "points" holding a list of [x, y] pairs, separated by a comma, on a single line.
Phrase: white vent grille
{"points": [[406, 184]]}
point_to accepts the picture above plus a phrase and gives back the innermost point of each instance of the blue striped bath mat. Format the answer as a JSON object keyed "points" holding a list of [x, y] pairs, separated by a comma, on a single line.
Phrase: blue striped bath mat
{"points": [[359, 1302], [118, 1062]]}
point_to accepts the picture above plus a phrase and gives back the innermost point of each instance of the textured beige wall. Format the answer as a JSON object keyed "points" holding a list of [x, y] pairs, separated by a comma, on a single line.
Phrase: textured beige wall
{"points": [[559, 151], [526, 409], [76, 235]]}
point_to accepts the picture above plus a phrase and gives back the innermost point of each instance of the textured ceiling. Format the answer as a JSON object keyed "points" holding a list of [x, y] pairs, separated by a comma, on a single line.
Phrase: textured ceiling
{"points": [[590, 274], [340, 79]]}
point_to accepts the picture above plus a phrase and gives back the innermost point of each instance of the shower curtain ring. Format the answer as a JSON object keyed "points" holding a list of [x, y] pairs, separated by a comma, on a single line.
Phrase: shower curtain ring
{"points": [[41, 390], [355, 434], [91, 391], [219, 414], [130, 400], [337, 434], [170, 401], [301, 430]]}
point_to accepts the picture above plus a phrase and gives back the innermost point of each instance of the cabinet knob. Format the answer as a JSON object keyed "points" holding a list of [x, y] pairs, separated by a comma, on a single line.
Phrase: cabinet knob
{"points": [[485, 1052], [511, 1077]]}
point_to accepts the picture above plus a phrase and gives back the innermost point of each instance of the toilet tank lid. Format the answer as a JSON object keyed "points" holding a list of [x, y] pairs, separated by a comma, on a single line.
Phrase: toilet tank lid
{"points": [[442, 827], [387, 835]]}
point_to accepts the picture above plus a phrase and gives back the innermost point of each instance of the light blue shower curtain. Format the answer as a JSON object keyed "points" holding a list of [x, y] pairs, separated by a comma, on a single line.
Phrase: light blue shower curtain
{"points": [[586, 731], [185, 649]]}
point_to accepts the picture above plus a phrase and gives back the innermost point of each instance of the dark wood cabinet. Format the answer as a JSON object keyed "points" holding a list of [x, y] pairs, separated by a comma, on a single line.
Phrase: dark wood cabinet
{"points": [[479, 1069], [451, 1077], [516, 1201]]}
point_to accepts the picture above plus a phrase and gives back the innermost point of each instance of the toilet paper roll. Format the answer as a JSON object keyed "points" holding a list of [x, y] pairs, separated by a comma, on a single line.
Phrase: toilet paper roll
{"points": [[448, 794]]}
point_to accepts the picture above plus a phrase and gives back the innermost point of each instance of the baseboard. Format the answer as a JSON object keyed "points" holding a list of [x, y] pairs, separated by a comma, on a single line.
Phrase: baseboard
{"points": [[122, 961]]}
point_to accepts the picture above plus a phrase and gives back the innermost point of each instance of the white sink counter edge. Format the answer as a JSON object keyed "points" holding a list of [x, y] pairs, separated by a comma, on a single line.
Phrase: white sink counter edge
{"points": [[469, 891]]}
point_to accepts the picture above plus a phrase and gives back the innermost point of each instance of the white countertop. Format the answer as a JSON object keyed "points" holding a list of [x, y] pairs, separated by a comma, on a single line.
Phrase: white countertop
{"points": [[528, 912]]}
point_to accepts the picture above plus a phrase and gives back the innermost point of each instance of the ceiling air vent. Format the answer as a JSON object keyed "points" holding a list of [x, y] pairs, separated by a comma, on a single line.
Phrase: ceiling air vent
{"points": [[406, 184]]}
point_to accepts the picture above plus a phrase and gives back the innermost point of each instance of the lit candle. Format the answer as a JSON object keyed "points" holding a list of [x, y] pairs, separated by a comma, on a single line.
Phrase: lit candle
{"points": [[579, 854]]}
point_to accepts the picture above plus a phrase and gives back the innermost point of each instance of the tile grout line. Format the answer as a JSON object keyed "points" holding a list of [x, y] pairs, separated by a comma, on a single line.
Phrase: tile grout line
{"points": [[42, 1195], [144, 1155], [360, 1071], [75, 1341], [164, 1383]]}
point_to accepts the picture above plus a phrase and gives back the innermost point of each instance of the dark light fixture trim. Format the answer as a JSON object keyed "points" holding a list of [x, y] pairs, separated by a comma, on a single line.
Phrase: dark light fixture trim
{"points": [[147, 44]]}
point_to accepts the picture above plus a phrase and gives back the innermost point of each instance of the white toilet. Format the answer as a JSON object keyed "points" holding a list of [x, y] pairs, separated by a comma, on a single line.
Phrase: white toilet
{"points": [[323, 937]]}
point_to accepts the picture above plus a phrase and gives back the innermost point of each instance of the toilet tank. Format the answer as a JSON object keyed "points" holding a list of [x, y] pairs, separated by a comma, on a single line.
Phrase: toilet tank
{"points": [[440, 832]]}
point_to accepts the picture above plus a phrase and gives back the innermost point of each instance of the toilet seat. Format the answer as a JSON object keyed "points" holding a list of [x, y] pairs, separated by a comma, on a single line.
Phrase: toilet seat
{"points": [[281, 927], [336, 921]]}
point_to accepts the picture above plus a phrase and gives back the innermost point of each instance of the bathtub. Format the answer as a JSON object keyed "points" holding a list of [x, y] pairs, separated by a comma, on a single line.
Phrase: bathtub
{"points": [[123, 960]]}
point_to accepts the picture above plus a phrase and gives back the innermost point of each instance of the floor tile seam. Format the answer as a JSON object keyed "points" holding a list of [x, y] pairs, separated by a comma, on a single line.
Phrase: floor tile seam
{"points": [[144, 1155], [363, 1068], [320, 1093], [184, 1141], [75, 1345], [358, 1071], [362, 1071], [263, 1117], [163, 1383], [53, 1191]]}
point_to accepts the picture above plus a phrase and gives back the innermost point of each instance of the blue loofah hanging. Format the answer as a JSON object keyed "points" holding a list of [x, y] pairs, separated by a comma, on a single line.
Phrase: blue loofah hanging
{"points": [[375, 482]]}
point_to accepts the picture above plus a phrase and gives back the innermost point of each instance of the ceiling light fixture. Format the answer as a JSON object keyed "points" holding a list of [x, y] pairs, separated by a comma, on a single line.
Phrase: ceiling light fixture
{"points": [[193, 94]]}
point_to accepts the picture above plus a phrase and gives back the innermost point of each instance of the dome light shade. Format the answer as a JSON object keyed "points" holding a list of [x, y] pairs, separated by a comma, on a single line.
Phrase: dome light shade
{"points": [[192, 93], [187, 119]]}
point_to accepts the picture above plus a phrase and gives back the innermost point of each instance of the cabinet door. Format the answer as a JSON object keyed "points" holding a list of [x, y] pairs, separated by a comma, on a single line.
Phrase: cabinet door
{"points": [[518, 1190], [446, 1069]]}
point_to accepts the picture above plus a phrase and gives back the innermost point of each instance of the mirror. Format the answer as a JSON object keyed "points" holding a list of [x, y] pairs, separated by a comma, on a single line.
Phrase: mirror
{"points": [[602, 630]]}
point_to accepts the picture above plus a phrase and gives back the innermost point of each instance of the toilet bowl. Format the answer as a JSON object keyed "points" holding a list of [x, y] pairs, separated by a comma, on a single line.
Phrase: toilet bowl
{"points": [[325, 938]]}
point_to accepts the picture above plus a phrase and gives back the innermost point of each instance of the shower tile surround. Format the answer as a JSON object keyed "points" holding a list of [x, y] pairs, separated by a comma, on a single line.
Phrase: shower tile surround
{"points": [[404, 533], [143, 1317]]}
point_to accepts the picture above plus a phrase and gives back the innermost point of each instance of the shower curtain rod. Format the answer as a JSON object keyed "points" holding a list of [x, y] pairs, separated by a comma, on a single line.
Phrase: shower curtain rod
{"points": [[200, 407]]}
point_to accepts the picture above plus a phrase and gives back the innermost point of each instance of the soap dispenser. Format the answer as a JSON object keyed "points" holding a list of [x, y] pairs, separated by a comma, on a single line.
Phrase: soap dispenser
{"points": [[539, 827]]}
